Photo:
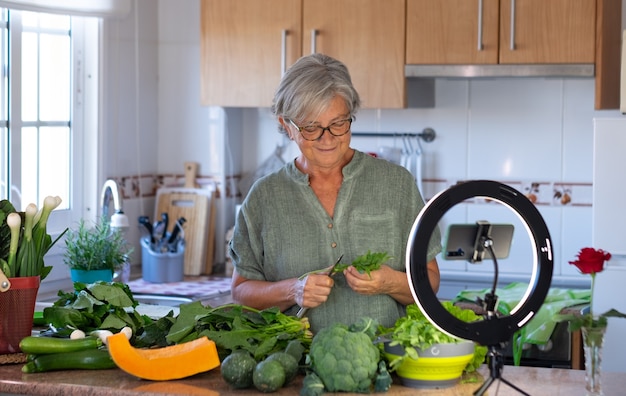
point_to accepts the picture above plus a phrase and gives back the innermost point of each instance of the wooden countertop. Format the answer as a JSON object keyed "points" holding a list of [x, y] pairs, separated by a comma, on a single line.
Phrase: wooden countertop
{"points": [[114, 382]]}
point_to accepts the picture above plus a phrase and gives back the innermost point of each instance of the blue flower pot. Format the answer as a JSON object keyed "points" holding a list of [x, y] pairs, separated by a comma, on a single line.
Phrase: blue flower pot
{"points": [[91, 276]]}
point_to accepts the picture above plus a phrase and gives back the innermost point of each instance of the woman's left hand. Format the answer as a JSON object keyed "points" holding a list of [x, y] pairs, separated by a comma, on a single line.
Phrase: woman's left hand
{"points": [[380, 281], [388, 281]]}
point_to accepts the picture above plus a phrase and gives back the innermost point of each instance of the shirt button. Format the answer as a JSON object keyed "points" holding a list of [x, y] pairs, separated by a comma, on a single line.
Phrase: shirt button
{"points": [[330, 225], [334, 244]]}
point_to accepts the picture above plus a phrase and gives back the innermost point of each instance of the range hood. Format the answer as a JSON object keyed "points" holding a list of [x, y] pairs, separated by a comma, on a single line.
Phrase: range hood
{"points": [[492, 71]]}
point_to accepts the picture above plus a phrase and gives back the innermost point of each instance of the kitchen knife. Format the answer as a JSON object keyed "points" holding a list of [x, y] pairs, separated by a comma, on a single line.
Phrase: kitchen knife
{"points": [[172, 242], [145, 221], [165, 218]]}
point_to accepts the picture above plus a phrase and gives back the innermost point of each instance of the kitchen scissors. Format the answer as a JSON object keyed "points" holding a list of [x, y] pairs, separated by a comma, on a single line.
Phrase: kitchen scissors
{"points": [[302, 311]]}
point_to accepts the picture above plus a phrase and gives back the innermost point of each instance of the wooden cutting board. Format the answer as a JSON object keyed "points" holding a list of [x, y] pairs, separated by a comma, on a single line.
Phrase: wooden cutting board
{"points": [[197, 206]]}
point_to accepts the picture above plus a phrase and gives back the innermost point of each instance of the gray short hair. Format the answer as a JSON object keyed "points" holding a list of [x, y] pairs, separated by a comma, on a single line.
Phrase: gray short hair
{"points": [[309, 85]]}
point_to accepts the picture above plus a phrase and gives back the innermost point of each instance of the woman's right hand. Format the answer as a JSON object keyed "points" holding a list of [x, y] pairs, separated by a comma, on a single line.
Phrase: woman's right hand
{"points": [[312, 290]]}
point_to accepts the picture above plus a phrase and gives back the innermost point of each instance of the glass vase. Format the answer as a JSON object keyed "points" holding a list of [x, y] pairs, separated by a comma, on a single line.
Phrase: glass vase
{"points": [[593, 338]]}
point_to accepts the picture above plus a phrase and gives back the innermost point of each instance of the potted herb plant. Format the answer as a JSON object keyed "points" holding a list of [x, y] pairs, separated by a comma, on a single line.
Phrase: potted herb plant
{"points": [[425, 357], [95, 253]]}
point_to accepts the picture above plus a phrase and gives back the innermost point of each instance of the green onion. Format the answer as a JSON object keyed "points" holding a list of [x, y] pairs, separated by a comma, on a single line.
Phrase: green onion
{"points": [[14, 221], [27, 252]]}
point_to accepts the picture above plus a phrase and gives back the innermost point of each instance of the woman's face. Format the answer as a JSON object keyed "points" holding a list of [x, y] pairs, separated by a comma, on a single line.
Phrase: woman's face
{"points": [[328, 151]]}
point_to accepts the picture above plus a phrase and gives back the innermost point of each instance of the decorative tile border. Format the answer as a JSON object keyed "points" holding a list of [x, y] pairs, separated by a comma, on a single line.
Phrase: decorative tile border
{"points": [[539, 192], [551, 193], [146, 186]]}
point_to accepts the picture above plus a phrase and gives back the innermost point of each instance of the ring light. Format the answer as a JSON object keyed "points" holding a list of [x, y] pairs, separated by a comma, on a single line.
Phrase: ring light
{"points": [[493, 330]]}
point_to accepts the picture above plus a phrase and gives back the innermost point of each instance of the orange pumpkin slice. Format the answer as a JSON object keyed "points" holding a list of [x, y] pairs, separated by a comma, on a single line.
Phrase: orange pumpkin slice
{"points": [[162, 364]]}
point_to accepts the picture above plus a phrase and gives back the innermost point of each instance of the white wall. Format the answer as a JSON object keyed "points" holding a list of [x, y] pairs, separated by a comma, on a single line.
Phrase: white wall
{"points": [[513, 130], [519, 130]]}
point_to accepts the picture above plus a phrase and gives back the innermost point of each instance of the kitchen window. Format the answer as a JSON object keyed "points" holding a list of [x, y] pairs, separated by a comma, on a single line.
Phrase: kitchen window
{"points": [[44, 109]]}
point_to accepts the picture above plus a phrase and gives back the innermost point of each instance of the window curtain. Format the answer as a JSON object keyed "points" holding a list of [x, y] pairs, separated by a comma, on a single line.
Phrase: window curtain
{"points": [[93, 8]]}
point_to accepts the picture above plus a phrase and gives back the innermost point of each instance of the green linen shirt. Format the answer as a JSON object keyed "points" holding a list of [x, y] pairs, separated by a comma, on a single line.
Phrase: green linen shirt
{"points": [[282, 231]]}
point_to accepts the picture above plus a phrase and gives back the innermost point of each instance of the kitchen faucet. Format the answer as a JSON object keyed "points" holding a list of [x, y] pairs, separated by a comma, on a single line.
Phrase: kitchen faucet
{"points": [[111, 190], [119, 221]]}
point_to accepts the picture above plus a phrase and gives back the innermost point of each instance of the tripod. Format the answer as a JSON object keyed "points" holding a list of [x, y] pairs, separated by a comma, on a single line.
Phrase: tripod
{"points": [[494, 357], [495, 361]]}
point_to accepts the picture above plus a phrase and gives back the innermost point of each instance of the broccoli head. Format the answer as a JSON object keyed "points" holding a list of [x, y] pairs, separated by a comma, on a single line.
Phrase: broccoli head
{"points": [[346, 361]]}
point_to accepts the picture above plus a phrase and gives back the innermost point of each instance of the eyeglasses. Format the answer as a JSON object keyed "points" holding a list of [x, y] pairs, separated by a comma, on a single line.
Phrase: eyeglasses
{"points": [[315, 132]]}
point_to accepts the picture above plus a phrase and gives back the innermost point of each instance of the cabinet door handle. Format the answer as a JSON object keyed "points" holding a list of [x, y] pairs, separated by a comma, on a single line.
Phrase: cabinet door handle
{"points": [[313, 41], [512, 45], [480, 25], [283, 52]]}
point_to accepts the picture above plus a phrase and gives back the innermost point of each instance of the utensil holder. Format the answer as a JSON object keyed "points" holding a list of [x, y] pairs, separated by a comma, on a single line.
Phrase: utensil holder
{"points": [[160, 267]]}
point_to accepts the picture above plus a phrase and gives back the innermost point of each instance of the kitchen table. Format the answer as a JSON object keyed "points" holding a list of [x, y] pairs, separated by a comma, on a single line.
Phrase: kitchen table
{"points": [[114, 382]]}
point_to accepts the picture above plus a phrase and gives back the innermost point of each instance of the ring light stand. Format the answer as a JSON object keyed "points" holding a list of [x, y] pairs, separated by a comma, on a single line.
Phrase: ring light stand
{"points": [[493, 331]]}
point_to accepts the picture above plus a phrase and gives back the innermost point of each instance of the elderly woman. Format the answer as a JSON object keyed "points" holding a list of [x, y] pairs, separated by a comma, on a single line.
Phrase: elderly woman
{"points": [[331, 201]]}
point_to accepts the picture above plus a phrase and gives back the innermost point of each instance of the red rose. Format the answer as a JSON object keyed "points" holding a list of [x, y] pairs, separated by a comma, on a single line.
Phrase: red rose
{"points": [[591, 261]]}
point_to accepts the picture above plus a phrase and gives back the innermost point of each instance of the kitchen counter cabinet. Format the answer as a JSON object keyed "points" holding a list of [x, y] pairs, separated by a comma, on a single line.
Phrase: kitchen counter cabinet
{"points": [[460, 32], [246, 45], [535, 381]]}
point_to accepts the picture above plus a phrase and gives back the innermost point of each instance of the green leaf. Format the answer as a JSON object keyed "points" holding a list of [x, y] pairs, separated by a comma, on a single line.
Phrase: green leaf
{"points": [[265, 348], [63, 317], [612, 313], [186, 321], [113, 293], [153, 332], [113, 322]]}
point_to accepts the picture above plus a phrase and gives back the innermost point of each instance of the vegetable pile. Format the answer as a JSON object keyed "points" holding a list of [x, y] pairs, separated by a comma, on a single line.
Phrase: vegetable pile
{"points": [[242, 371], [110, 306]]}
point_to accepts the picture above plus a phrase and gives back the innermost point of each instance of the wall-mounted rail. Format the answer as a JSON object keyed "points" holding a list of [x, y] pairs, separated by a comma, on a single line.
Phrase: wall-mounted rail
{"points": [[427, 135]]}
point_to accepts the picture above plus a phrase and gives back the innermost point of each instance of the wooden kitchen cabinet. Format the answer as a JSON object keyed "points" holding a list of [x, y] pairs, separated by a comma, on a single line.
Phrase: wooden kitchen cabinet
{"points": [[242, 45], [451, 31], [245, 46], [540, 31], [369, 37], [505, 31], [489, 32]]}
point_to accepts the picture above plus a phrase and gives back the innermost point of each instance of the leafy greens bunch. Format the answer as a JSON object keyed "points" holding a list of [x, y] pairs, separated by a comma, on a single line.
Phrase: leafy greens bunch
{"points": [[97, 306], [238, 327], [414, 330]]}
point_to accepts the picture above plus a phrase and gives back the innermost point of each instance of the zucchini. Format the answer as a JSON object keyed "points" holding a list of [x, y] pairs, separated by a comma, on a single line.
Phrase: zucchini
{"points": [[46, 345], [87, 359]]}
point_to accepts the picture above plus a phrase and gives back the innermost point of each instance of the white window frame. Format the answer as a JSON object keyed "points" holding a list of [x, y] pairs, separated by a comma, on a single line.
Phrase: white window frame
{"points": [[84, 127]]}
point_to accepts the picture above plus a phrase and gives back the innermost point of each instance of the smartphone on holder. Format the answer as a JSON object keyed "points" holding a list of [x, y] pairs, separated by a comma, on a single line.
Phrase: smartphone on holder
{"points": [[467, 241]]}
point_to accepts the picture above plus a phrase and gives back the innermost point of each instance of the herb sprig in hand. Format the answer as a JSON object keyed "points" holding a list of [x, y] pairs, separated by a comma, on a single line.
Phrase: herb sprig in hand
{"points": [[366, 263]]}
